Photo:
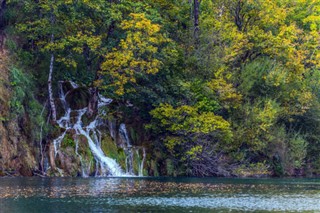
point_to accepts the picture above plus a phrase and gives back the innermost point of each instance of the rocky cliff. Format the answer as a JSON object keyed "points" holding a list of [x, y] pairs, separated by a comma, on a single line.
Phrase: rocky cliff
{"points": [[17, 157]]}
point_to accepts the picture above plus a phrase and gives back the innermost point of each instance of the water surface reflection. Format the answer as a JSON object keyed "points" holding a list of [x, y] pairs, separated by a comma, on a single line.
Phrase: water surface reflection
{"points": [[158, 194]]}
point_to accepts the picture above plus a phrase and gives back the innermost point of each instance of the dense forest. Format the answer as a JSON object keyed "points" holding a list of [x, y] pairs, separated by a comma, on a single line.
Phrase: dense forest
{"points": [[206, 87]]}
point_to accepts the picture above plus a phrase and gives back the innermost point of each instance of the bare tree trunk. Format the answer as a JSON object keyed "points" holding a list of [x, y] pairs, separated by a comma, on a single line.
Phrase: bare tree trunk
{"points": [[196, 8], [3, 6], [93, 102], [51, 98], [52, 156], [238, 18]]}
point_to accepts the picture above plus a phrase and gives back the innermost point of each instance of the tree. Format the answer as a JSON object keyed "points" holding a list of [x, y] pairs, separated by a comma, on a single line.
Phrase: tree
{"points": [[196, 12], [194, 137], [136, 54], [58, 28], [3, 5]]}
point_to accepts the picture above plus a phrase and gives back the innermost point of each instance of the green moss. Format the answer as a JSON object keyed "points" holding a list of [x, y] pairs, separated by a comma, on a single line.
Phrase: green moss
{"points": [[3, 118], [111, 150], [68, 142], [135, 163], [137, 159], [89, 155]]}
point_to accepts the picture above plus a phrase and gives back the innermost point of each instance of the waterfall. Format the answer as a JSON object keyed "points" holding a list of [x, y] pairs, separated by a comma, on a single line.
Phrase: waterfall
{"points": [[112, 129], [57, 142], [142, 162], [85, 168], [90, 132], [127, 149], [72, 121], [45, 164], [123, 132]]}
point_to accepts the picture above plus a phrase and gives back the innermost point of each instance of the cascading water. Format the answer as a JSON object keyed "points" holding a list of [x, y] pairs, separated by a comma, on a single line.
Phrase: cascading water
{"points": [[45, 164], [142, 161], [85, 166], [127, 148], [90, 132], [124, 134], [112, 128], [129, 151]]}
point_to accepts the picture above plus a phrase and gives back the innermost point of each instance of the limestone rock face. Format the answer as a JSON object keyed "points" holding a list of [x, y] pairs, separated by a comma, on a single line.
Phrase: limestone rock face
{"points": [[17, 156]]}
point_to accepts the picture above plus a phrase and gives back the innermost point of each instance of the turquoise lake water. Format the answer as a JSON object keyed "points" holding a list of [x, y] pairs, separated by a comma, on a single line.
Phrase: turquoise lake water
{"points": [[158, 195]]}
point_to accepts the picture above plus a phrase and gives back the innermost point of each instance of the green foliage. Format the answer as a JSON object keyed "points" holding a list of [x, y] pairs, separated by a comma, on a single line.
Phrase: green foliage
{"points": [[256, 125], [187, 119], [204, 97], [170, 168], [246, 92], [68, 141], [20, 83], [298, 152], [253, 170], [189, 132], [23, 104], [11, 45]]}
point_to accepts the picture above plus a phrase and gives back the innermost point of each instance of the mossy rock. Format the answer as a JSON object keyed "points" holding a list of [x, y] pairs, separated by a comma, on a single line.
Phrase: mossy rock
{"points": [[68, 141], [154, 168], [111, 150], [55, 173]]}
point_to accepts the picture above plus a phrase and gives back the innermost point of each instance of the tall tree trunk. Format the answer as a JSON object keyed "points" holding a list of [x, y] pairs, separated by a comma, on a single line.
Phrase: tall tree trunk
{"points": [[51, 98], [52, 156], [86, 56], [196, 11], [93, 102], [50, 91], [238, 18], [3, 6]]}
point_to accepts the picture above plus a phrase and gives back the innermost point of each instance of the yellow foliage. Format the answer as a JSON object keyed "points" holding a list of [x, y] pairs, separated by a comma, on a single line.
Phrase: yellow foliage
{"points": [[284, 31], [184, 122], [134, 54], [226, 92], [189, 120]]}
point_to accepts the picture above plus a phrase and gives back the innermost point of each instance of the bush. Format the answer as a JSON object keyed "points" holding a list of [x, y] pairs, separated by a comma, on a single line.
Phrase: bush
{"points": [[24, 105], [21, 85], [297, 151]]}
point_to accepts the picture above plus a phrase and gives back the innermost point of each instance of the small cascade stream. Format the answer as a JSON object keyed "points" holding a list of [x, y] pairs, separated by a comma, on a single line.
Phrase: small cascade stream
{"points": [[127, 148], [142, 161], [105, 165], [130, 151]]}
